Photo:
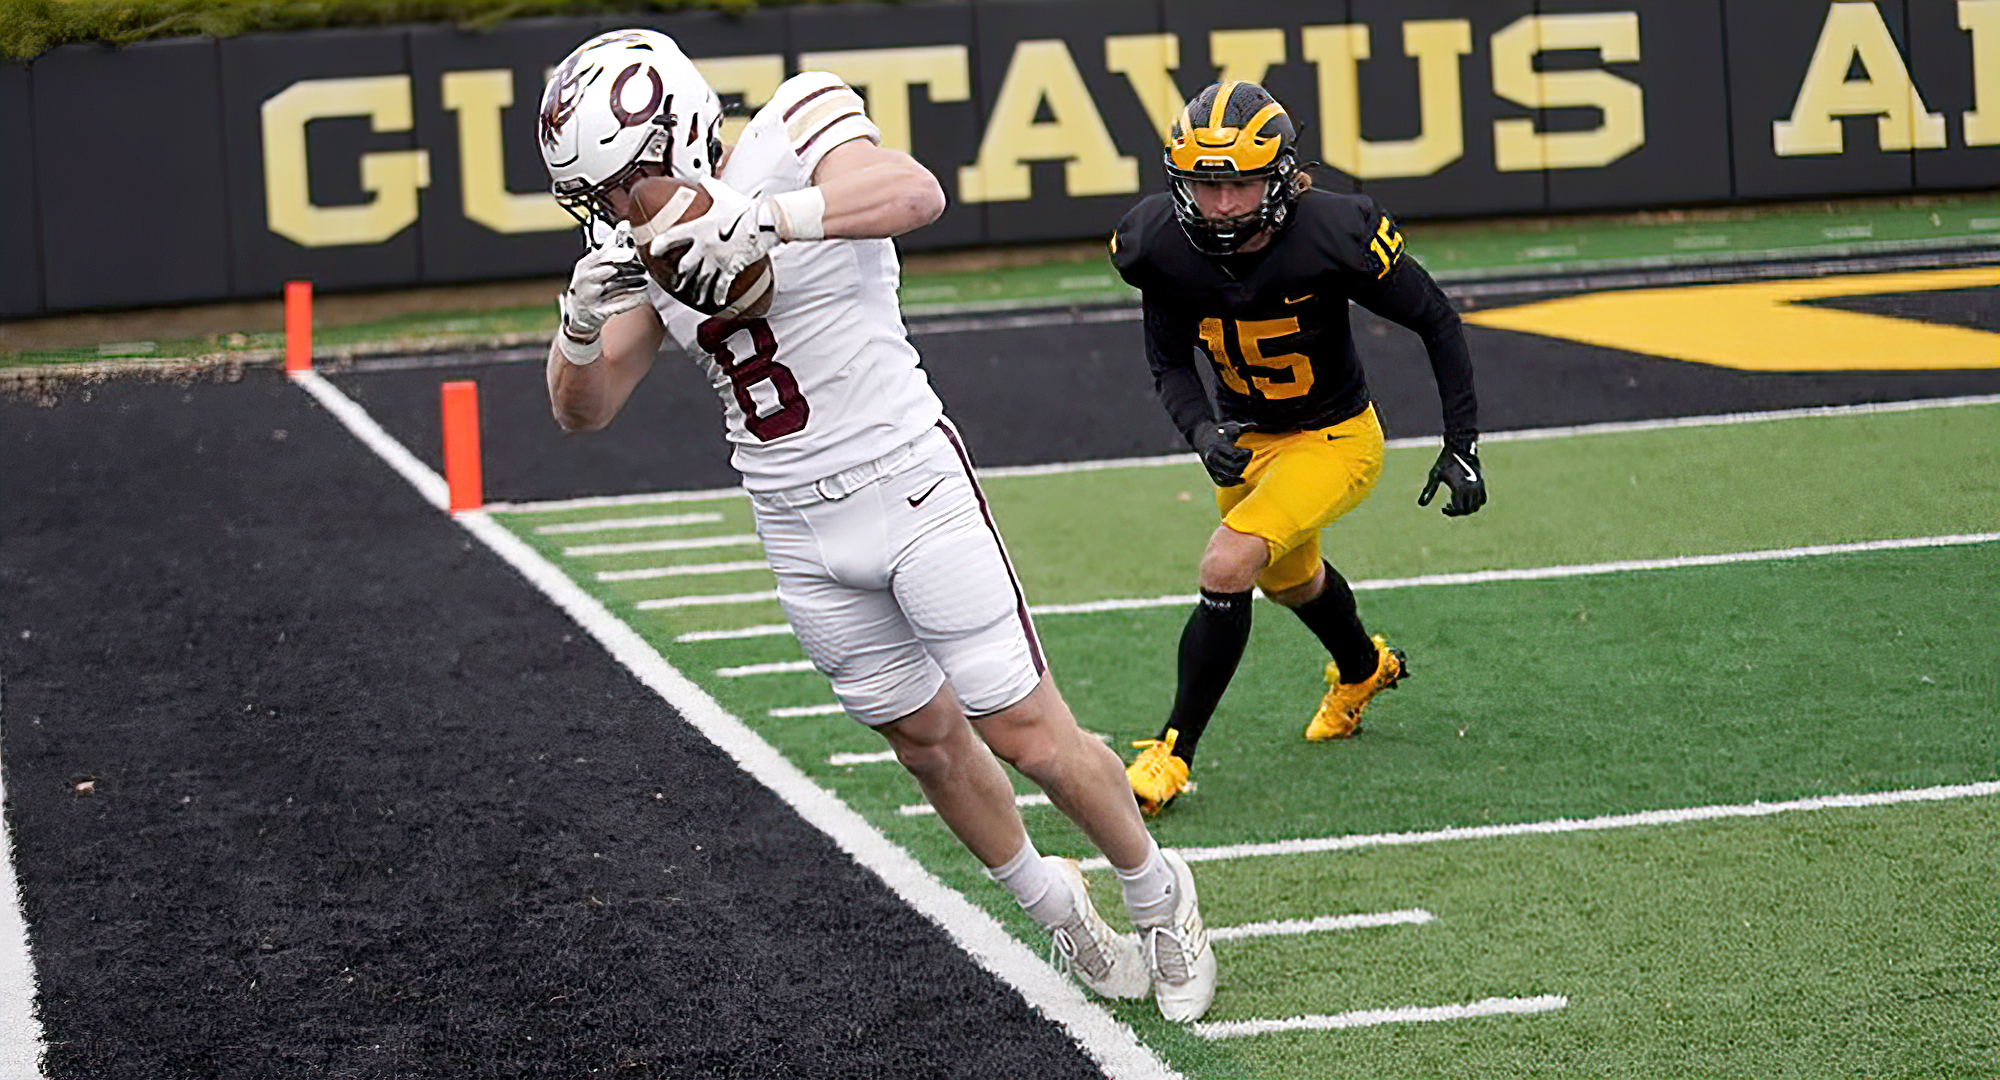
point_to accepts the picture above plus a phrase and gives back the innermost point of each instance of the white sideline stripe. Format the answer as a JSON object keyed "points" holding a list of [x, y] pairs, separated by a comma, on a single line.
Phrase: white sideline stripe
{"points": [[1474, 577], [650, 572], [20, 1028], [1409, 1014], [689, 544], [832, 709], [1109, 1042], [1321, 845], [779, 668], [877, 758], [922, 808], [707, 600], [428, 484], [610, 524], [1323, 924], [1614, 427]]}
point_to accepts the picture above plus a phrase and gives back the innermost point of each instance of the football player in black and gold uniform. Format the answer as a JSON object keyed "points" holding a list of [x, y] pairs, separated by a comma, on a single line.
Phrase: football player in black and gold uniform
{"points": [[1243, 263]]}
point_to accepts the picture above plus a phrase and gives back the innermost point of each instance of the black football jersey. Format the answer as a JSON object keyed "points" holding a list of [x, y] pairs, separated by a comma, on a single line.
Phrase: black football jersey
{"points": [[1273, 324]]}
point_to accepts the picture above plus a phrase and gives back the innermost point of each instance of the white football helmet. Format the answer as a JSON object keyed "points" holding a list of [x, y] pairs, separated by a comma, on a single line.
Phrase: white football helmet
{"points": [[621, 102]]}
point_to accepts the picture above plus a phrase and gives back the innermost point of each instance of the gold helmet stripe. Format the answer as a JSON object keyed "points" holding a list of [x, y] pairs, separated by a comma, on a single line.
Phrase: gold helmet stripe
{"points": [[1222, 102]]}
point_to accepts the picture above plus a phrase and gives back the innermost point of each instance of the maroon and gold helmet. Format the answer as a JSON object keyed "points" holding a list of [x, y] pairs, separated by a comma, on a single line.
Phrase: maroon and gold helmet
{"points": [[1232, 131]]}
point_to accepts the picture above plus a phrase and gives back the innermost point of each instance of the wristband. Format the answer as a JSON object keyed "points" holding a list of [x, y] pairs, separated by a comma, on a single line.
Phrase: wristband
{"points": [[580, 353], [799, 215]]}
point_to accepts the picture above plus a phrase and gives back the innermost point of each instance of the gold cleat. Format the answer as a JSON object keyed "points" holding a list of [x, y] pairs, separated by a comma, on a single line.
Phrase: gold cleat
{"points": [[1339, 714], [1157, 776]]}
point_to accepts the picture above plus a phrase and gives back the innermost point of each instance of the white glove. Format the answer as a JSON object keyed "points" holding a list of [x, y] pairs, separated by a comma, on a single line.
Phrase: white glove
{"points": [[736, 231], [609, 280]]}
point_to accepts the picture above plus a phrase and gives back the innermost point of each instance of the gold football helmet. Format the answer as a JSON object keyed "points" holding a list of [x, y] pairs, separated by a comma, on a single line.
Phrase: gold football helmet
{"points": [[1232, 131]]}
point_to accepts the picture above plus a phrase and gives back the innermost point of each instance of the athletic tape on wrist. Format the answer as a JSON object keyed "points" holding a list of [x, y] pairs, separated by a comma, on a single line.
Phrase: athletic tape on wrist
{"points": [[800, 214], [580, 353]]}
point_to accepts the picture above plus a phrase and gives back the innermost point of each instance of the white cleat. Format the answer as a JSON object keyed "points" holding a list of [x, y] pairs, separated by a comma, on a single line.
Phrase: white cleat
{"points": [[1107, 962], [1179, 958]]}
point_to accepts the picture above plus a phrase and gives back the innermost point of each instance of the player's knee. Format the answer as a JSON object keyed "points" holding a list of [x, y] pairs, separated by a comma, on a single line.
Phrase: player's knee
{"points": [[924, 761], [1024, 737], [1232, 561]]}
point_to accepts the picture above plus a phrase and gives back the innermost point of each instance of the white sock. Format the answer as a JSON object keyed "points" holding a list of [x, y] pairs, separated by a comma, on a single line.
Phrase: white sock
{"points": [[1036, 888], [1149, 888]]}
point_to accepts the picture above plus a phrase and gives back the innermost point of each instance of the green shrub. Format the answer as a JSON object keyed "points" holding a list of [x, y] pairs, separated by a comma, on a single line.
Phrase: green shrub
{"points": [[29, 28]]}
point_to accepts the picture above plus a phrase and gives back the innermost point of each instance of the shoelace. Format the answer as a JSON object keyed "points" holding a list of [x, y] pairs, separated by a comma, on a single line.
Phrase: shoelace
{"points": [[1068, 941], [1172, 964], [1155, 765]]}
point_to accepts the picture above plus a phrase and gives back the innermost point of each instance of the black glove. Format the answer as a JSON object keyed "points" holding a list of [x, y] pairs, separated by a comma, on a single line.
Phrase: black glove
{"points": [[1458, 469], [1224, 460]]}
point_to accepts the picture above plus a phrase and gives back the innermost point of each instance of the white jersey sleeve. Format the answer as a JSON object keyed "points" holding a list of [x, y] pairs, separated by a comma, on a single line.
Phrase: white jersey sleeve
{"points": [[827, 378], [820, 112]]}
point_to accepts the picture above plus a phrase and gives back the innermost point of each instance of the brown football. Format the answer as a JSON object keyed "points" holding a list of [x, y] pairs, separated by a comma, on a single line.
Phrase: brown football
{"points": [[661, 202]]}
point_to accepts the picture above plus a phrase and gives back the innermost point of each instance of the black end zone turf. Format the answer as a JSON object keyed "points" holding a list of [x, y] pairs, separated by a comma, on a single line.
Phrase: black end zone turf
{"points": [[306, 783]]}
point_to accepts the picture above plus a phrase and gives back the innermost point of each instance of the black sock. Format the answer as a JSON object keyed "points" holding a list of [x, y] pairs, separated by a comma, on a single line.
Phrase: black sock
{"points": [[1211, 646], [1332, 618]]}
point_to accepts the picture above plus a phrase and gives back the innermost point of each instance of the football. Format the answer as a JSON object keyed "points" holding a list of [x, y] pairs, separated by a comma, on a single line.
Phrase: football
{"points": [[661, 202]]}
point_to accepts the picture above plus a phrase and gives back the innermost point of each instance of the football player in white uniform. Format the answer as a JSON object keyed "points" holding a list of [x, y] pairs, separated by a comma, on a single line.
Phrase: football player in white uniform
{"points": [[889, 567]]}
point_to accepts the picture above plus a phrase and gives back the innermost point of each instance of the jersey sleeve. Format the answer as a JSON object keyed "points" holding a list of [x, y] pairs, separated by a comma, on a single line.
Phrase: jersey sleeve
{"points": [[1401, 291], [819, 112]]}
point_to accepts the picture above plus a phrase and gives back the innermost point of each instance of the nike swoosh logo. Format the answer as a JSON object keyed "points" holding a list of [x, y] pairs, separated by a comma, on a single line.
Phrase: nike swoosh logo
{"points": [[918, 500], [1298, 300], [1471, 473], [723, 237]]}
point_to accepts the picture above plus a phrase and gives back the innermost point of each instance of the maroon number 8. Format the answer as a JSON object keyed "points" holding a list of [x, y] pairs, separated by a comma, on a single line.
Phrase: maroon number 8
{"points": [[712, 336]]}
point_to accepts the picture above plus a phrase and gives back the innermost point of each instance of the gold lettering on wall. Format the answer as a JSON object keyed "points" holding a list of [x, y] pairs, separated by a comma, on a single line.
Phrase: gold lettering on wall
{"points": [[1043, 75], [478, 98], [391, 177], [1517, 146], [1436, 45], [887, 75], [1855, 31]]}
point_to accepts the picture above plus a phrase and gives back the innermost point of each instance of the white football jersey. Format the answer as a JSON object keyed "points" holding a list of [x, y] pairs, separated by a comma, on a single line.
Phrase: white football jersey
{"points": [[827, 378]]}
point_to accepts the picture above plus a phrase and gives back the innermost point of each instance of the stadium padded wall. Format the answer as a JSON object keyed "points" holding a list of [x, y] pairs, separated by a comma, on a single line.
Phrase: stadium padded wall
{"points": [[383, 158]]}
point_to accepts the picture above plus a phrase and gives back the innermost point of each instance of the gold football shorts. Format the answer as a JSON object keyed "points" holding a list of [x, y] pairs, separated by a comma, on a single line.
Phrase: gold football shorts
{"points": [[1297, 483]]}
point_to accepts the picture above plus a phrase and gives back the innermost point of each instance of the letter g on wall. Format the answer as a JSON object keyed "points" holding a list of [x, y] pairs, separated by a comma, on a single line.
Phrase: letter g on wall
{"points": [[392, 178]]}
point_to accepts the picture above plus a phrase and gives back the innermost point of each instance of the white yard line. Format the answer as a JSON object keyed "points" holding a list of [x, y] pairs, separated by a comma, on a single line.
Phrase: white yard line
{"points": [[766, 630], [832, 709], [1411, 1014], [1321, 925], [1109, 1042], [607, 502], [780, 668], [613, 524], [879, 757], [20, 1028], [647, 573], [692, 543], [1322, 845], [923, 808], [1474, 577], [707, 600]]}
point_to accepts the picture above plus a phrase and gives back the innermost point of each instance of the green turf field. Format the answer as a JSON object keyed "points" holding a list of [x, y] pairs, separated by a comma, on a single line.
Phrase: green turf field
{"points": [[1824, 942]]}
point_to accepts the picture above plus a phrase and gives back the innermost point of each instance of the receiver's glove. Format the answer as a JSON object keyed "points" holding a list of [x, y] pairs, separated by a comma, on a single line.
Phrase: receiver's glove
{"points": [[1458, 469], [1224, 460], [736, 231], [609, 280]]}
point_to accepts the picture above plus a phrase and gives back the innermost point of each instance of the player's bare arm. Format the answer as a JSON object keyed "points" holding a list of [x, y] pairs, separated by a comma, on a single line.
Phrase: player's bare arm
{"points": [[607, 337], [586, 397], [872, 192]]}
